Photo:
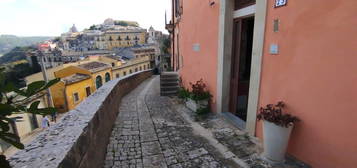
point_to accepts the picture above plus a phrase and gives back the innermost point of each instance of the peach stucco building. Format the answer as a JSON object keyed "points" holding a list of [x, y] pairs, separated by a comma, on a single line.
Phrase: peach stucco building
{"points": [[251, 53]]}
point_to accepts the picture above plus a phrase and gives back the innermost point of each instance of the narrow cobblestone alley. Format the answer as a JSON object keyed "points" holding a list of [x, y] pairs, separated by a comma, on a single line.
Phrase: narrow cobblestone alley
{"points": [[149, 133], [152, 131]]}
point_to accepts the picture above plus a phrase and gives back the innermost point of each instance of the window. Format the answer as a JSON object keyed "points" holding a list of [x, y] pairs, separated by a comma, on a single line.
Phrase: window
{"points": [[113, 64], [107, 77], [136, 69], [88, 91], [140, 68], [98, 81], [130, 71], [124, 73], [117, 75], [144, 67], [75, 97]]}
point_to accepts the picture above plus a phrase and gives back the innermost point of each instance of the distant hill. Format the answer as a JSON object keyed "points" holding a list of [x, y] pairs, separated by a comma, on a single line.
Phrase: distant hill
{"points": [[9, 42], [16, 54]]}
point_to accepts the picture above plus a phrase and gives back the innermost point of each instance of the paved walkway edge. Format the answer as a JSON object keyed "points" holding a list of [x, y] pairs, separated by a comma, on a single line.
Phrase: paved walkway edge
{"points": [[207, 134]]}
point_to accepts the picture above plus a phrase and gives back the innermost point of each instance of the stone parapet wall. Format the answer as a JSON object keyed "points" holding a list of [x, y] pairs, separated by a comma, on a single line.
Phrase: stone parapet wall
{"points": [[80, 138]]}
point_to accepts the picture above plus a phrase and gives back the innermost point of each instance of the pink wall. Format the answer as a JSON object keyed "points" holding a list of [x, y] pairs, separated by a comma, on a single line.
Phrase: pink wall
{"points": [[199, 25], [316, 75]]}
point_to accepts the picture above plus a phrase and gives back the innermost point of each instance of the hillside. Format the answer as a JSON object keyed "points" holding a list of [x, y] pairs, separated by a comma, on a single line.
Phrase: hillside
{"points": [[9, 42], [16, 54]]}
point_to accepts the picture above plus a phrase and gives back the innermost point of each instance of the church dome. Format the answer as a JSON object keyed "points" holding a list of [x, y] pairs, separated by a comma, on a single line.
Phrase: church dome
{"points": [[151, 28], [108, 21], [73, 29]]}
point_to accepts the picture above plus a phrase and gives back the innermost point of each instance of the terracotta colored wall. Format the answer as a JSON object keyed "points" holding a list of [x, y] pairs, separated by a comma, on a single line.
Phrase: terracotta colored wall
{"points": [[199, 25], [316, 75]]}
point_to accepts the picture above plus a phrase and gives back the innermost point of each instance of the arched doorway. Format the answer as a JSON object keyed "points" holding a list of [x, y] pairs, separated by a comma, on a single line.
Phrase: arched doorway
{"points": [[107, 77], [98, 82]]}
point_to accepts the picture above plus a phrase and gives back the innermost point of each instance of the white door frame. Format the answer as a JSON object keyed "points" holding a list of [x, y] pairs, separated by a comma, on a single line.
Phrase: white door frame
{"points": [[226, 16]]}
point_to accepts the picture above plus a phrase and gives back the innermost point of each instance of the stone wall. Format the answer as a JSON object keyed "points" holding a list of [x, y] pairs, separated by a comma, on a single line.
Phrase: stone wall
{"points": [[80, 138]]}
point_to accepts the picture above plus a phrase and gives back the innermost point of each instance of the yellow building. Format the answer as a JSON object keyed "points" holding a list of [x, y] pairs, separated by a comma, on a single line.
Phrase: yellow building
{"points": [[78, 82], [71, 91], [100, 72], [140, 63], [121, 37], [146, 51], [80, 79], [108, 59]]}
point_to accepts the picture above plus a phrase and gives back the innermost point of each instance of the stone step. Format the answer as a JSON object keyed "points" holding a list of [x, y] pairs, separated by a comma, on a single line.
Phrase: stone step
{"points": [[169, 84], [169, 79], [170, 87], [169, 93], [169, 74], [174, 88]]}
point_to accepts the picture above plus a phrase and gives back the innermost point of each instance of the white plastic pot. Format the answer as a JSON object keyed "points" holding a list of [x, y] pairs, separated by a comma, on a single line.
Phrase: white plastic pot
{"points": [[193, 105], [276, 140]]}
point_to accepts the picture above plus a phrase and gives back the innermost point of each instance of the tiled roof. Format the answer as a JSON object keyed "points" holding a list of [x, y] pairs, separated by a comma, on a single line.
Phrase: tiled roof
{"points": [[94, 66], [114, 57], [75, 78], [126, 53]]}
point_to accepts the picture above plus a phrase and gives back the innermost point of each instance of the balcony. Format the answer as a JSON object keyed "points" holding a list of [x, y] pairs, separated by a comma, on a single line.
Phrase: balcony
{"points": [[126, 123]]}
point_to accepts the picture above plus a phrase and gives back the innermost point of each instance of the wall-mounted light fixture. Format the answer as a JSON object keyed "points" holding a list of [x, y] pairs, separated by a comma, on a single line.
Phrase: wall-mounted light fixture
{"points": [[211, 2]]}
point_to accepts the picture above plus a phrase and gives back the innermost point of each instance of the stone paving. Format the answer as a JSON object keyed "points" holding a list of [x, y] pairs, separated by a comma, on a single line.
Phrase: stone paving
{"points": [[152, 132], [149, 133]]}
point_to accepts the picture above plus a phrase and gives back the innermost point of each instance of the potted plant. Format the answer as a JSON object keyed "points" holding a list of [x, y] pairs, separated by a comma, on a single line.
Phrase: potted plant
{"points": [[198, 98], [277, 128]]}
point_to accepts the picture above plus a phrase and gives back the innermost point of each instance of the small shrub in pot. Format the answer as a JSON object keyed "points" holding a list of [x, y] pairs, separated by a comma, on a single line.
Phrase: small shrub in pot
{"points": [[276, 131], [274, 114]]}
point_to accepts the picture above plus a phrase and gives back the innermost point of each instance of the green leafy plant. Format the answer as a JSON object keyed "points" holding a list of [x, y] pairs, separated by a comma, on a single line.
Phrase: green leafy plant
{"points": [[274, 113], [184, 93], [15, 101]]}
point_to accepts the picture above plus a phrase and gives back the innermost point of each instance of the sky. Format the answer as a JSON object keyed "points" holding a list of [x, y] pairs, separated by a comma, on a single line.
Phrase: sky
{"points": [[53, 17]]}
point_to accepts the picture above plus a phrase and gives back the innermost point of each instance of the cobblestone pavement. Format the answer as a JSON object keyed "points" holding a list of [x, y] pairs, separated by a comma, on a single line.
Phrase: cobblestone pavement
{"points": [[149, 133], [153, 132]]}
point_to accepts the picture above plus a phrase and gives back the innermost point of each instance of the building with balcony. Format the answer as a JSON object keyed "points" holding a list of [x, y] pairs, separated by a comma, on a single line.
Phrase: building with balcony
{"points": [[122, 36]]}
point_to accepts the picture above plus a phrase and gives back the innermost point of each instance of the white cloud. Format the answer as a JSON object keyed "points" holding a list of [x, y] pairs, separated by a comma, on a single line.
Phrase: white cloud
{"points": [[53, 17]]}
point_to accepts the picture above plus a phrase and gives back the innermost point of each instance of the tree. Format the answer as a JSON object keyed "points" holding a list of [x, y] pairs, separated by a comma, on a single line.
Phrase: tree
{"points": [[17, 73], [93, 27], [165, 45], [13, 101]]}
